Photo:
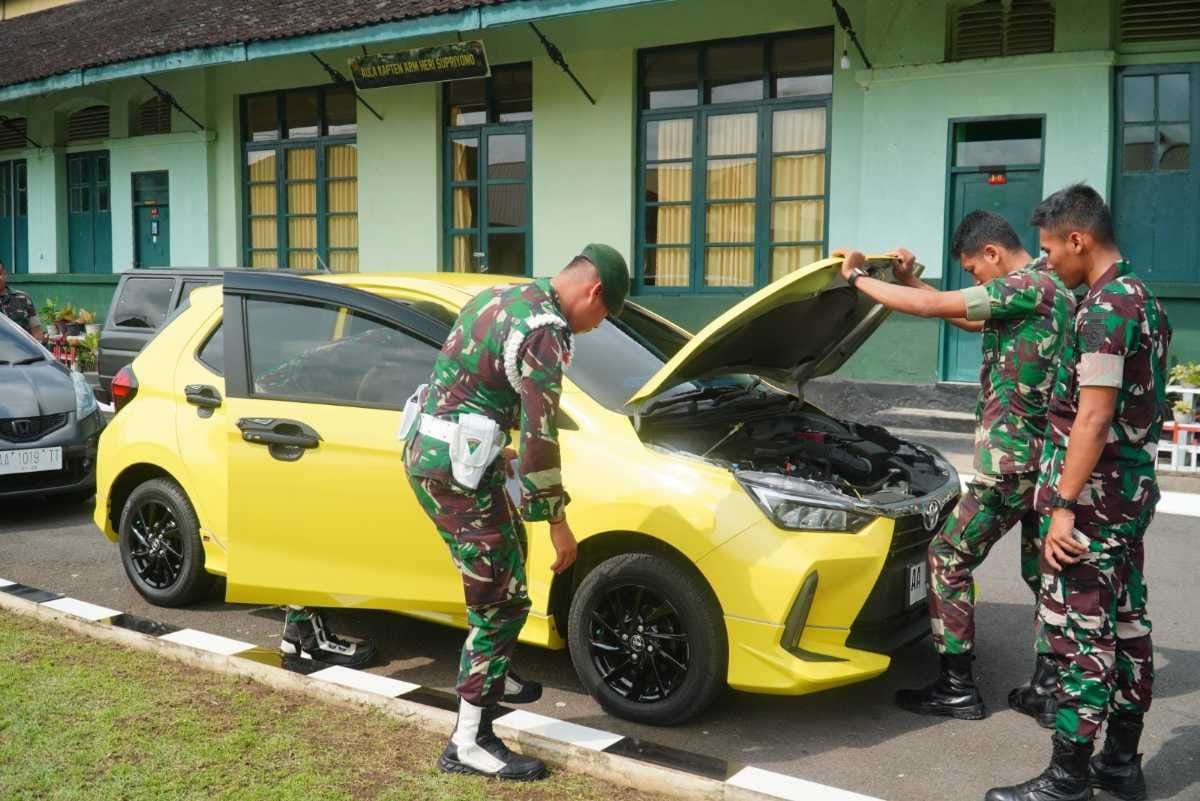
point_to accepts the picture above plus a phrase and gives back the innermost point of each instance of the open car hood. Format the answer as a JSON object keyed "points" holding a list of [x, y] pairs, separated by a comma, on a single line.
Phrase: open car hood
{"points": [[804, 325]]}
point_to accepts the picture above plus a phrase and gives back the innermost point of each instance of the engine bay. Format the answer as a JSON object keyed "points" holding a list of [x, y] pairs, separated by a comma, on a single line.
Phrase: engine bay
{"points": [[771, 432]]}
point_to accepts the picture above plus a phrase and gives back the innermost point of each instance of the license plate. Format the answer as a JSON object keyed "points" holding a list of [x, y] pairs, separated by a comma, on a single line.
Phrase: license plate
{"points": [[31, 460], [916, 584]]}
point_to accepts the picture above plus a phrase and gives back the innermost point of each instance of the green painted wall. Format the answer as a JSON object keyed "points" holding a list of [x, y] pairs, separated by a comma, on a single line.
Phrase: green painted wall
{"points": [[91, 292]]}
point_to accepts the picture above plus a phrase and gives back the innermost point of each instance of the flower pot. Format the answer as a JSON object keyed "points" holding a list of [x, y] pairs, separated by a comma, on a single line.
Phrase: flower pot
{"points": [[52, 330], [1184, 418], [91, 328], [74, 329]]}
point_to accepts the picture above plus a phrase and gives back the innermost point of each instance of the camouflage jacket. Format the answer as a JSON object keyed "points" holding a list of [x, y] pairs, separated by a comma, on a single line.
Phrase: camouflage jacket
{"points": [[1026, 317], [16, 306], [504, 359], [1119, 339]]}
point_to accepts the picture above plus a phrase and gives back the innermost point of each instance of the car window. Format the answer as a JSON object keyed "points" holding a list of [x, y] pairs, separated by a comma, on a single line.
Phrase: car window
{"points": [[328, 354], [212, 352], [143, 302]]}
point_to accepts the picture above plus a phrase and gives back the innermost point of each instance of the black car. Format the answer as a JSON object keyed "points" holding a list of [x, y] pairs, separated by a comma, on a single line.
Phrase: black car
{"points": [[142, 303], [49, 422]]}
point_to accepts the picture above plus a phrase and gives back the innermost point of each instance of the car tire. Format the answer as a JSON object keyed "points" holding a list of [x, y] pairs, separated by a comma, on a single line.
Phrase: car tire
{"points": [[676, 612], [159, 538]]}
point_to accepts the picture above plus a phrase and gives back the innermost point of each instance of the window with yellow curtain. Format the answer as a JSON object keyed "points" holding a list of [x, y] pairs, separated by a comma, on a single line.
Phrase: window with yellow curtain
{"points": [[733, 160], [301, 179], [487, 172]]}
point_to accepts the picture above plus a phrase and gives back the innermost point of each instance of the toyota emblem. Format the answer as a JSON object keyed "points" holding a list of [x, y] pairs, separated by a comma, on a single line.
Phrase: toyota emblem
{"points": [[930, 514]]}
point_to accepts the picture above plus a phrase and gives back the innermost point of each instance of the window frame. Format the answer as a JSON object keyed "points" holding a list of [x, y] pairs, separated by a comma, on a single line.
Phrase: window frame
{"points": [[700, 114], [1169, 287], [481, 131], [238, 288], [280, 146]]}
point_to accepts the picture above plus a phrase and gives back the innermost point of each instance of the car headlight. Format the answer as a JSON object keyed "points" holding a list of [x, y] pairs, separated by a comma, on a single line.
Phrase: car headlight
{"points": [[85, 401], [802, 505]]}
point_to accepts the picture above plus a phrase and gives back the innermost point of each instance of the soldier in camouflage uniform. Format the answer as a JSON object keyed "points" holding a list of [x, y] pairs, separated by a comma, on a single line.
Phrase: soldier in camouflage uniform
{"points": [[16, 306], [1024, 310], [1098, 492], [504, 360]]}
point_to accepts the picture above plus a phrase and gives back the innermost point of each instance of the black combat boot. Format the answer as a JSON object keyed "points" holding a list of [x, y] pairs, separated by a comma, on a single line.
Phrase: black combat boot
{"points": [[520, 691], [954, 694], [306, 635], [475, 748], [1118, 768], [1065, 780], [1036, 698]]}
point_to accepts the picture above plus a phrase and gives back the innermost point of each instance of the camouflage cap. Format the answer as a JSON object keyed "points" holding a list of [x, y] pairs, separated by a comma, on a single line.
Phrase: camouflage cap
{"points": [[614, 275]]}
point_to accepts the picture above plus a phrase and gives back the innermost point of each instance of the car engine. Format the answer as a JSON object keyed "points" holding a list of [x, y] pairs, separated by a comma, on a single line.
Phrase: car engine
{"points": [[771, 432]]}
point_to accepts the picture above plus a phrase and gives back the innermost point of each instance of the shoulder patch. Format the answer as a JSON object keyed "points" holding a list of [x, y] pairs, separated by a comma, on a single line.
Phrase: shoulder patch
{"points": [[1093, 332]]}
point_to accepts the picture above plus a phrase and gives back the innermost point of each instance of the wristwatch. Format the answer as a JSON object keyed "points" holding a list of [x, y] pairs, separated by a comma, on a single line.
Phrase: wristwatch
{"points": [[855, 274], [1059, 502]]}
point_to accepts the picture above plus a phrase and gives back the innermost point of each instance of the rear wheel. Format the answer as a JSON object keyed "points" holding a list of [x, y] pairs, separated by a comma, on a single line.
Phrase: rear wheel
{"points": [[647, 639], [159, 537]]}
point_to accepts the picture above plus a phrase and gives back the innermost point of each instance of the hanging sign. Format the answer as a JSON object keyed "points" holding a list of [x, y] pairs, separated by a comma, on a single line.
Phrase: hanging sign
{"points": [[448, 62]]}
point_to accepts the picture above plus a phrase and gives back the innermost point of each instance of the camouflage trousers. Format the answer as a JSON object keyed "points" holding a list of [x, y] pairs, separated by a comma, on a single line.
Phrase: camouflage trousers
{"points": [[1095, 626], [486, 539], [990, 507]]}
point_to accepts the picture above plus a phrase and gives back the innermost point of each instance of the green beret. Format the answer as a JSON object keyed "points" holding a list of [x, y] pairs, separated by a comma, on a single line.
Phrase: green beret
{"points": [[614, 275]]}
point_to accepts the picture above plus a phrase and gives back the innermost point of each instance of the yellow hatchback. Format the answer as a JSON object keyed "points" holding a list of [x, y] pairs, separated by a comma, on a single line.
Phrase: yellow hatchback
{"points": [[730, 533]]}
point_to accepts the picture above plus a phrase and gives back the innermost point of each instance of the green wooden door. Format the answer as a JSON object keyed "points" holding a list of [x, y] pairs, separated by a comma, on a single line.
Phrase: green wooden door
{"points": [[89, 217], [1013, 200], [14, 216], [151, 219], [1156, 197]]}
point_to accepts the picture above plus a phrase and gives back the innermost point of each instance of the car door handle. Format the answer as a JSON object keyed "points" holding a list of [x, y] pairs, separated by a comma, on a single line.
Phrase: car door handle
{"points": [[202, 395], [287, 439]]}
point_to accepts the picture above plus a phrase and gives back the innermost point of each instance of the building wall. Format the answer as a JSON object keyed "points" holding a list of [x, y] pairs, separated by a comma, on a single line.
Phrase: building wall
{"points": [[888, 170]]}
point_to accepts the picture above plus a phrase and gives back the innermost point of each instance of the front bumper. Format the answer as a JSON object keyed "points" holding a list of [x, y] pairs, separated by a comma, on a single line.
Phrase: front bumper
{"points": [[809, 611], [78, 441]]}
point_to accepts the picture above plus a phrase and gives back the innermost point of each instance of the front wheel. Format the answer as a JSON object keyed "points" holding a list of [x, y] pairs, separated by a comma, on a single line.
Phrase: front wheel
{"points": [[647, 639], [159, 537]]}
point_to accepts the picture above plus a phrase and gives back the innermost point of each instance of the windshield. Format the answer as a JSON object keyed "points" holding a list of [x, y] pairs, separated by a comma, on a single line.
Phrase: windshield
{"points": [[614, 360], [17, 347]]}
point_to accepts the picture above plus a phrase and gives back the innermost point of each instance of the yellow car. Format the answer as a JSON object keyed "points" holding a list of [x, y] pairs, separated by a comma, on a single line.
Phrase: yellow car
{"points": [[729, 533]]}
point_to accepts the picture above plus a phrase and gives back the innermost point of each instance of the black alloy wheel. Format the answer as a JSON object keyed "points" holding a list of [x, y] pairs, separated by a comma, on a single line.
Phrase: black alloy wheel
{"points": [[647, 639], [638, 643], [159, 537], [157, 549]]}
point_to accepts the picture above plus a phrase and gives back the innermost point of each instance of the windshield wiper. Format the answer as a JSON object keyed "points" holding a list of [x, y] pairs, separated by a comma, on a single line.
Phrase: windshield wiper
{"points": [[30, 360]]}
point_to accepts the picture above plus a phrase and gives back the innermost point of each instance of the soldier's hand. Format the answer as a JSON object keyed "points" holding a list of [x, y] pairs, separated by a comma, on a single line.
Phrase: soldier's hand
{"points": [[850, 259], [509, 456], [1061, 547], [565, 547], [904, 262]]}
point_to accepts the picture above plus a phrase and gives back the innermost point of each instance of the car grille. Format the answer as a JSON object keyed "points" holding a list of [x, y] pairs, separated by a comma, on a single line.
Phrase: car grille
{"points": [[886, 623], [26, 429]]}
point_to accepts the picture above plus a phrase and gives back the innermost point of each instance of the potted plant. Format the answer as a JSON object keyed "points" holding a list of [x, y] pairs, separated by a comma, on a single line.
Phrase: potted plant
{"points": [[67, 322], [48, 312], [1185, 374], [1182, 411], [88, 321], [85, 352]]}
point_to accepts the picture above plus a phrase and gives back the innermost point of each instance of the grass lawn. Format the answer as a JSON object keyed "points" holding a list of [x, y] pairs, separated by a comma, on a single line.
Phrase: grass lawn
{"points": [[85, 719]]}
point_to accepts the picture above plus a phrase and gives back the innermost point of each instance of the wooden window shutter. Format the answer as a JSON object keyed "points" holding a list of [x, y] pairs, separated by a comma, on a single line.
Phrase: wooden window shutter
{"points": [[1159, 20], [996, 28], [9, 138], [154, 117], [88, 123]]}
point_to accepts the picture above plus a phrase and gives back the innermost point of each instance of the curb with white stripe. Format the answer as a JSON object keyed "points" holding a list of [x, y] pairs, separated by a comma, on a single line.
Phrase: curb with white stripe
{"points": [[627, 761]]}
